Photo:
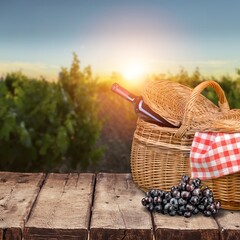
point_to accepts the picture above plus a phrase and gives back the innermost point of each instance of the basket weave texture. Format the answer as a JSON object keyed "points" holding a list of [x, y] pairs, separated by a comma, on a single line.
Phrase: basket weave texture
{"points": [[160, 155]]}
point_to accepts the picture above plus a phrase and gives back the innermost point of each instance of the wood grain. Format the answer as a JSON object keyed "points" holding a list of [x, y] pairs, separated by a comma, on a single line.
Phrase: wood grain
{"points": [[62, 210], [117, 211], [18, 192], [229, 223], [181, 228], [60, 206]]}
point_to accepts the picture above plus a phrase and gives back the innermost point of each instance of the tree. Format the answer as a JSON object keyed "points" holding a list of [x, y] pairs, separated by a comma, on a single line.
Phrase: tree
{"points": [[81, 88], [45, 124]]}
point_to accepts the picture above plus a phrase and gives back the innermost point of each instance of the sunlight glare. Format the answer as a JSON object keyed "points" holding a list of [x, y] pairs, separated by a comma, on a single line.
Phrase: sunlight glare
{"points": [[134, 71]]}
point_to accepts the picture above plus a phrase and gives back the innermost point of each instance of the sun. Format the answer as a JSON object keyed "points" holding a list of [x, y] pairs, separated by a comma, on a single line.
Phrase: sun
{"points": [[134, 71]]}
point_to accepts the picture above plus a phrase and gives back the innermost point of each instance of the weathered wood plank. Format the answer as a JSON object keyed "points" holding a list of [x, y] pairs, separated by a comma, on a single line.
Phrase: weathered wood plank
{"points": [[62, 210], [229, 223], [18, 192], [180, 228], [117, 211]]}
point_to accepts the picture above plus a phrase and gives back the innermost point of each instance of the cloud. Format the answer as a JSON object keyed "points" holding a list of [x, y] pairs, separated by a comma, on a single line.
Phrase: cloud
{"points": [[30, 69]]}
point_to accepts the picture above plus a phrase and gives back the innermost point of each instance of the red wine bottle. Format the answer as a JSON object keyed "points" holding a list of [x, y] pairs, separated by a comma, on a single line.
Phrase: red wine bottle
{"points": [[140, 107]]}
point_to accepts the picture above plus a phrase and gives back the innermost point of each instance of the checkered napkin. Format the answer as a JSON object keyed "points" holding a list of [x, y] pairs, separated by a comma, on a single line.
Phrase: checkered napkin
{"points": [[214, 154]]}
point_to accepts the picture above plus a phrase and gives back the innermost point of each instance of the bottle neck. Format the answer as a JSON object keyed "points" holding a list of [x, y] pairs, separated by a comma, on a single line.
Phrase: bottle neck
{"points": [[141, 108], [123, 92]]}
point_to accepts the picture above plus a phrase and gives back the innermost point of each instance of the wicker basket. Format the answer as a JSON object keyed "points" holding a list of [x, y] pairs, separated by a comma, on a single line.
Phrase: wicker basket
{"points": [[160, 155]]}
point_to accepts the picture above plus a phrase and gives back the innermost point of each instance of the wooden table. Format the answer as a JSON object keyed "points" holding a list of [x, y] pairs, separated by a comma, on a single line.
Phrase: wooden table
{"points": [[96, 207]]}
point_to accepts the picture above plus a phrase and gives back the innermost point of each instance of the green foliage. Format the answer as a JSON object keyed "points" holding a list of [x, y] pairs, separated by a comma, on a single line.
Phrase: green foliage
{"points": [[81, 89], [45, 124]]}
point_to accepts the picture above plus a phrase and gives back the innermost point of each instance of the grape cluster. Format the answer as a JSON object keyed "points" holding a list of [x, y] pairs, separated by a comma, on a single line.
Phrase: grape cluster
{"points": [[188, 198]]}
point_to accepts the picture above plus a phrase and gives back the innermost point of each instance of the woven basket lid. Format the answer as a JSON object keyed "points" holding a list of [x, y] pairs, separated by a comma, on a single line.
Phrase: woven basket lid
{"points": [[169, 99]]}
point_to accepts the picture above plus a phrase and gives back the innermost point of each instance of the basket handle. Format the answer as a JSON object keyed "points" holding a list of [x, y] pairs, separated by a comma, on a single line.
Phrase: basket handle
{"points": [[188, 114]]}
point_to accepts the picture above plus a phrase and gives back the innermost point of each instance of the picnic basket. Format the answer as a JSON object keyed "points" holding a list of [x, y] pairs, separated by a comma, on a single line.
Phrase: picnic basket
{"points": [[160, 155]]}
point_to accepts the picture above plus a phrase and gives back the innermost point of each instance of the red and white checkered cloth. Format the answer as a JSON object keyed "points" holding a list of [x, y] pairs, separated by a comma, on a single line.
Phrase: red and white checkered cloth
{"points": [[214, 155]]}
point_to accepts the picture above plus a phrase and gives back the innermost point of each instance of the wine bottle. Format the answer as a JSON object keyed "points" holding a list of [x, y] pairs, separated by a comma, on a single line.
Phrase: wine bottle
{"points": [[140, 107]]}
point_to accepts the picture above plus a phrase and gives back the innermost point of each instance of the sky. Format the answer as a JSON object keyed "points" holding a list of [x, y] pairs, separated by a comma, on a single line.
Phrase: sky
{"points": [[152, 36]]}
